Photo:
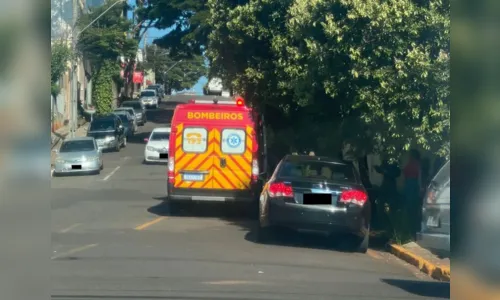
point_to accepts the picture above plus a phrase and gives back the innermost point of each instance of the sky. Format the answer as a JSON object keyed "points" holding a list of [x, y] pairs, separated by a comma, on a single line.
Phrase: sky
{"points": [[153, 34]]}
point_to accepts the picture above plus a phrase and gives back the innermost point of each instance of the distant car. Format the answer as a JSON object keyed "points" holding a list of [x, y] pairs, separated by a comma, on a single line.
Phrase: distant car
{"points": [[139, 111], [149, 98], [436, 223], [158, 88], [215, 87], [78, 155], [157, 145], [129, 112], [318, 194], [108, 131]]}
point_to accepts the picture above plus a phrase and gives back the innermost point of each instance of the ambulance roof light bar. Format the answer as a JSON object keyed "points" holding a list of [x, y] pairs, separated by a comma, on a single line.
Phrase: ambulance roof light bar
{"points": [[239, 101]]}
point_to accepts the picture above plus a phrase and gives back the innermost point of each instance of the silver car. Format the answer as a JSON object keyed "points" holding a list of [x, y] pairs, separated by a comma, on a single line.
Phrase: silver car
{"points": [[78, 155], [149, 98], [435, 232]]}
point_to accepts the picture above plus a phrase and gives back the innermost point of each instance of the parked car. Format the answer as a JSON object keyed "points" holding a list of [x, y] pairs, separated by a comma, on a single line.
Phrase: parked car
{"points": [[78, 155], [128, 123], [108, 132], [214, 87], [149, 98], [158, 88], [157, 145], [318, 194], [435, 231], [139, 111], [130, 112]]}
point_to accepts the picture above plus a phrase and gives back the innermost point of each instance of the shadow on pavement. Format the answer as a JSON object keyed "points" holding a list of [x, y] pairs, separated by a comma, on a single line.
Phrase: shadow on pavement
{"points": [[245, 217], [138, 138], [427, 289]]}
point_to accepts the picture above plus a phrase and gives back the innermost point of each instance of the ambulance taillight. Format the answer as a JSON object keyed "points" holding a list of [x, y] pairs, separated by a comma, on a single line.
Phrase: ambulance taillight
{"points": [[171, 165], [255, 170]]}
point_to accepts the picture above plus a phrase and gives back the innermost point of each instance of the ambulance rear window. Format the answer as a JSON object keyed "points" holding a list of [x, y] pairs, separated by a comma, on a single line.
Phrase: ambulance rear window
{"points": [[194, 140], [233, 141]]}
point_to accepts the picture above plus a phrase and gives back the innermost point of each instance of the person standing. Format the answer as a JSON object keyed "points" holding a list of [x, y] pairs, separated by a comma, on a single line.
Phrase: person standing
{"points": [[412, 182]]}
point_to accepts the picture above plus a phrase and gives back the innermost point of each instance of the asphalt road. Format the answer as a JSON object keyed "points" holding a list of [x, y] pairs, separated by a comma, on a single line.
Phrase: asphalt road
{"points": [[114, 238]]}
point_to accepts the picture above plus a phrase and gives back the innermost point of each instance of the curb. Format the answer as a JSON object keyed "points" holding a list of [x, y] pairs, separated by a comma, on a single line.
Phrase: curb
{"points": [[436, 272]]}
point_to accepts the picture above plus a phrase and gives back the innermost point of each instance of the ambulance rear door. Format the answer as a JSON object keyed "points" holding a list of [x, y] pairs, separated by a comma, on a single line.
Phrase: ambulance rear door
{"points": [[233, 161], [194, 157]]}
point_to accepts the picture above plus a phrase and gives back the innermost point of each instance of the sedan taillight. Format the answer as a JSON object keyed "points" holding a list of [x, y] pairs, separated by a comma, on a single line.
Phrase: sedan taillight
{"points": [[353, 196], [280, 189]]}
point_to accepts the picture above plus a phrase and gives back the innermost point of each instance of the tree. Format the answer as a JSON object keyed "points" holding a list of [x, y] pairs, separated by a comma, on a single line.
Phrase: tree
{"points": [[175, 75], [60, 55], [374, 74], [103, 42], [187, 19]]}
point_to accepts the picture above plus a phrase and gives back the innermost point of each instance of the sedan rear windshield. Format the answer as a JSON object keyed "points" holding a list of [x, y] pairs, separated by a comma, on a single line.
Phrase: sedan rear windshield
{"points": [[124, 119], [317, 170], [77, 146], [148, 94], [160, 136]]}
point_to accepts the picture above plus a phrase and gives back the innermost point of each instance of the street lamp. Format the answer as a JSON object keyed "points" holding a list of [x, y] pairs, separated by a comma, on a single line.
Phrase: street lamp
{"points": [[74, 63]]}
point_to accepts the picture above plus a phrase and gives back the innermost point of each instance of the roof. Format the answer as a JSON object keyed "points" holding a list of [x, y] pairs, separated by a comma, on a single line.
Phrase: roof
{"points": [[80, 138], [162, 129], [305, 158]]}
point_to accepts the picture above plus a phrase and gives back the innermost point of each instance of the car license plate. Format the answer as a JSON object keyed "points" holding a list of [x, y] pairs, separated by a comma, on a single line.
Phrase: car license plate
{"points": [[432, 221], [317, 199], [192, 177], [76, 167]]}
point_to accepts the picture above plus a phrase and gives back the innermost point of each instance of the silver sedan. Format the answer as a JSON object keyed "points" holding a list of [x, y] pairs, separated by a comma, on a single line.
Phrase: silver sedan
{"points": [[78, 155]]}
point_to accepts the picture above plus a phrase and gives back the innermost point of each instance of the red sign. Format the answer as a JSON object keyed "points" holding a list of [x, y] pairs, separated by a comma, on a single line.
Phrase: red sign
{"points": [[138, 77]]}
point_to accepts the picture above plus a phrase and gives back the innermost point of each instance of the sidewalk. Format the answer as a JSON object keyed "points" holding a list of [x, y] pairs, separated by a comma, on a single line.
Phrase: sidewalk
{"points": [[427, 262]]}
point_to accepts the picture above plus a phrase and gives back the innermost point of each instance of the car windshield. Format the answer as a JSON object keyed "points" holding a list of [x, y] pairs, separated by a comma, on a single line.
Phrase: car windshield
{"points": [[317, 170], [102, 125], [160, 136], [147, 94], [77, 146], [134, 105]]}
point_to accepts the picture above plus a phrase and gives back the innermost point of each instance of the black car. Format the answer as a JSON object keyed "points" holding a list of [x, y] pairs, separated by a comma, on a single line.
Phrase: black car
{"points": [[318, 194], [140, 111], [108, 131], [128, 124]]}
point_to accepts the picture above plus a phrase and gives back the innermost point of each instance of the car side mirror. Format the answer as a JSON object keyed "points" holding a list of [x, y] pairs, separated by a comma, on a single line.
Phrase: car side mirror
{"points": [[146, 140]]}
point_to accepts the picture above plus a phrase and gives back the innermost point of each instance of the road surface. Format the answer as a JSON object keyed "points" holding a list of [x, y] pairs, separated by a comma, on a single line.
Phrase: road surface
{"points": [[113, 237]]}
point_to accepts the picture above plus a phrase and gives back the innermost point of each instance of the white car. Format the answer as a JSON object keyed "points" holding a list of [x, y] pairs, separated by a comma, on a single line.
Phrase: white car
{"points": [[149, 98], [215, 87], [157, 145]]}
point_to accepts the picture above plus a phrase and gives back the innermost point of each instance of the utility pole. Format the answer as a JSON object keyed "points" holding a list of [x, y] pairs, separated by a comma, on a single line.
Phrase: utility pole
{"points": [[74, 76]]}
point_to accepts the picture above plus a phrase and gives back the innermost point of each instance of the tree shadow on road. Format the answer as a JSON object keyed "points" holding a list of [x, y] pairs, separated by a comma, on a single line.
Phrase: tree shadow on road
{"points": [[427, 289], [246, 219]]}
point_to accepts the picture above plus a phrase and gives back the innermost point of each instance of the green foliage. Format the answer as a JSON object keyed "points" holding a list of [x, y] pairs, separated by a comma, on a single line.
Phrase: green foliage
{"points": [[106, 38], [188, 18], [103, 42], [379, 67], [176, 76], [60, 56], [102, 91]]}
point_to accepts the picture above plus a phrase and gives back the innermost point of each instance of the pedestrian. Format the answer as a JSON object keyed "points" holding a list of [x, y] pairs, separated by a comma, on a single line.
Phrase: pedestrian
{"points": [[412, 183], [388, 189]]}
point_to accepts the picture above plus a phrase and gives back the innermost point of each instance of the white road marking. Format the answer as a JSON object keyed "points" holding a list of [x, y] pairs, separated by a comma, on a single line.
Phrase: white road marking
{"points": [[111, 174], [73, 251], [67, 229], [232, 282]]}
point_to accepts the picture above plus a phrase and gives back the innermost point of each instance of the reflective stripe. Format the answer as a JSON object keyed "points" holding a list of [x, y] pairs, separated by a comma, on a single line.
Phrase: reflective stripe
{"points": [[235, 175]]}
